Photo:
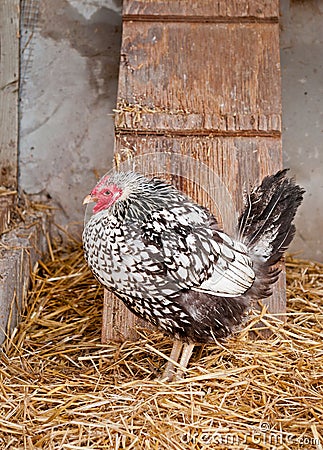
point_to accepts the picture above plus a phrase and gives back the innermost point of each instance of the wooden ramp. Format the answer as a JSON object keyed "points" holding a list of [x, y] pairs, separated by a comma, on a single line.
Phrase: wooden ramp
{"points": [[199, 79]]}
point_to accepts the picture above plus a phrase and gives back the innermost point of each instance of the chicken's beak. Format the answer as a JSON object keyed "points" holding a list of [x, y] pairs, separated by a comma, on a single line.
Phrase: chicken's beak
{"points": [[89, 199]]}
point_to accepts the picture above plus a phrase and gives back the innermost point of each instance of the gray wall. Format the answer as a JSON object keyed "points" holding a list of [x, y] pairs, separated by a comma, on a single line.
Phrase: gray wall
{"points": [[68, 92], [302, 91], [69, 82]]}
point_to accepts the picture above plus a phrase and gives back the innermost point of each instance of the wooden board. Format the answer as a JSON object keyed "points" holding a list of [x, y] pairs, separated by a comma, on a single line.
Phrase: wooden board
{"points": [[199, 100], [199, 78], [239, 162], [200, 10], [19, 250], [9, 80]]}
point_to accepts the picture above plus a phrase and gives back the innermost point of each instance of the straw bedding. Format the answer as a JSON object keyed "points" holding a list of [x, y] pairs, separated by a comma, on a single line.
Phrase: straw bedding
{"points": [[60, 388]]}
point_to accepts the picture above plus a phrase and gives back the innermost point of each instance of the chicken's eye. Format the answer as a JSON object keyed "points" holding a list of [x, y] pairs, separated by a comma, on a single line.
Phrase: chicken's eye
{"points": [[107, 192]]}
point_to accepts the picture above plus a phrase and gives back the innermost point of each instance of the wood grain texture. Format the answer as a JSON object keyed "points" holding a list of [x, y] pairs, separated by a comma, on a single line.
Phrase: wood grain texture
{"points": [[199, 78], [20, 249], [9, 79], [239, 162], [200, 9]]}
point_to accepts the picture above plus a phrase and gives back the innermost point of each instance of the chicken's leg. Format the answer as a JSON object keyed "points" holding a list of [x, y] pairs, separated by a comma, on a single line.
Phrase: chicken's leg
{"points": [[170, 373], [174, 356], [185, 359]]}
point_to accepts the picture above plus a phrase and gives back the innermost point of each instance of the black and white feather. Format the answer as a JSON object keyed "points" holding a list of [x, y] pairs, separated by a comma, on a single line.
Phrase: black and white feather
{"points": [[165, 257]]}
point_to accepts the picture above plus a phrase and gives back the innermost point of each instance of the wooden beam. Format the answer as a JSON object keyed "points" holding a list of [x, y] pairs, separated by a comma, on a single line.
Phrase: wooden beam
{"points": [[9, 83], [20, 249], [200, 82], [200, 10], [201, 78]]}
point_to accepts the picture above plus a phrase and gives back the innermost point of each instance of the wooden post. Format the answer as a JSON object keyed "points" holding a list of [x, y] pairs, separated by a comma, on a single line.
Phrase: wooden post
{"points": [[200, 79], [9, 83]]}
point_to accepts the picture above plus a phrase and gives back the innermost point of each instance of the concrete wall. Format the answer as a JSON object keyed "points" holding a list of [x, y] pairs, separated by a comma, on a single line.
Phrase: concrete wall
{"points": [[69, 91], [302, 90], [69, 84]]}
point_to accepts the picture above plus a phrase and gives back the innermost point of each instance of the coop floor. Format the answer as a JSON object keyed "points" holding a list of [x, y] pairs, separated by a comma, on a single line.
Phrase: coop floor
{"points": [[60, 388]]}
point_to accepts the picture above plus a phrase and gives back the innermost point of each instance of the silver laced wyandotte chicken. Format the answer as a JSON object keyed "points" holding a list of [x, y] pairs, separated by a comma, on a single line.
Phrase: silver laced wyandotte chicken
{"points": [[167, 259]]}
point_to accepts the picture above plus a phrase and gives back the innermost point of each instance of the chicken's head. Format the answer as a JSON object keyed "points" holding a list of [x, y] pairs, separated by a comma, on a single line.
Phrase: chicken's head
{"points": [[131, 195], [105, 194]]}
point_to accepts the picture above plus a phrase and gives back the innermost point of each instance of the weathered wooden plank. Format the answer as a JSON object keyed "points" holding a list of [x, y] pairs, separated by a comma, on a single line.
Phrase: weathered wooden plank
{"points": [[200, 9], [9, 78], [215, 172], [19, 250], [200, 78], [239, 162], [199, 81]]}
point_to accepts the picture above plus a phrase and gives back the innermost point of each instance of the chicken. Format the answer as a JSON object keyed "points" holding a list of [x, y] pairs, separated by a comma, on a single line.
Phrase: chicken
{"points": [[168, 260]]}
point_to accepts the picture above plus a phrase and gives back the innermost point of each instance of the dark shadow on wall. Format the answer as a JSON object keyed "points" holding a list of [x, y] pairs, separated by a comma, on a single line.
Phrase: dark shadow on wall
{"points": [[98, 39]]}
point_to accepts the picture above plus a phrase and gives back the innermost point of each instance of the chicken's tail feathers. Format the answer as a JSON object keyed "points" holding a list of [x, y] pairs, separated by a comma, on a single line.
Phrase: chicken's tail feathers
{"points": [[266, 224]]}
